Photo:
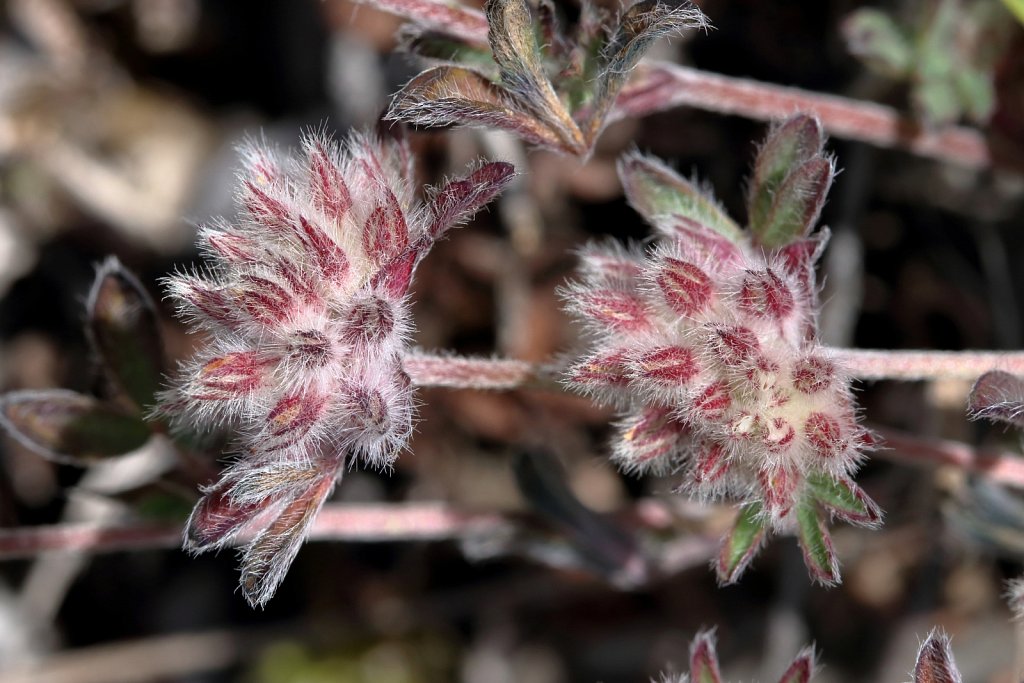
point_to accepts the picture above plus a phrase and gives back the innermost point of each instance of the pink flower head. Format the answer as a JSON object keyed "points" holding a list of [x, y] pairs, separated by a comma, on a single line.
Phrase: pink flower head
{"points": [[305, 304], [708, 342]]}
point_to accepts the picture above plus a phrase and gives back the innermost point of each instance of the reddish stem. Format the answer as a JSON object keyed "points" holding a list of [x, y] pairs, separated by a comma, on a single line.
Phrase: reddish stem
{"points": [[481, 373], [354, 523], [473, 373], [924, 365], [1001, 467], [657, 86]]}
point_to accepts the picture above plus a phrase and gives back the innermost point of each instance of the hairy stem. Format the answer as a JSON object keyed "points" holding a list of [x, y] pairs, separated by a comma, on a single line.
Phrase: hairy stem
{"points": [[352, 523], [482, 373], [359, 523], [657, 86]]}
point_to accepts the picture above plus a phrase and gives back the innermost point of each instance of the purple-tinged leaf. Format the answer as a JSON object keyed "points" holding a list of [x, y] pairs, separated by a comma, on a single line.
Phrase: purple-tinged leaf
{"points": [[514, 45], [217, 519], [704, 660], [603, 375], [696, 238], [741, 544], [385, 232], [447, 95], [657, 192], [395, 276], [935, 663], [124, 328], [459, 21], [819, 555], [844, 500], [998, 396], [649, 439], [796, 204], [267, 558], [614, 308], [457, 201], [637, 28], [68, 427], [802, 668], [790, 145]]}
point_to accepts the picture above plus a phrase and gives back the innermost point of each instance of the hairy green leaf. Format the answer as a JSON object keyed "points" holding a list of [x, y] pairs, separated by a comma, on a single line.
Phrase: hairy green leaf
{"points": [[741, 543], [796, 204], [657, 192], [789, 146], [844, 499], [816, 544]]}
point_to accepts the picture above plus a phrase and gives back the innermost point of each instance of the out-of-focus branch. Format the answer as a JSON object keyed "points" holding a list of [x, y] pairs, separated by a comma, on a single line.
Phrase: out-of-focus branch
{"points": [[483, 373], [657, 86], [999, 467], [403, 522]]}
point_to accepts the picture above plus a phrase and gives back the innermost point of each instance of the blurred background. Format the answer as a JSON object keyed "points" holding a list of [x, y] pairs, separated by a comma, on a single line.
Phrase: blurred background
{"points": [[119, 121]]}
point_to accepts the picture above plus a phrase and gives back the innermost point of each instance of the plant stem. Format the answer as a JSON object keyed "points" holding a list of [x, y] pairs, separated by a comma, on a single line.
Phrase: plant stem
{"points": [[999, 467], [475, 373], [354, 523], [500, 374], [656, 86], [928, 365]]}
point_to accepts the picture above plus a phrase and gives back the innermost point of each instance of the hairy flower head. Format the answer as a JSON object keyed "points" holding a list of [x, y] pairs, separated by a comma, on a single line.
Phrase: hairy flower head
{"points": [[707, 341], [305, 304]]}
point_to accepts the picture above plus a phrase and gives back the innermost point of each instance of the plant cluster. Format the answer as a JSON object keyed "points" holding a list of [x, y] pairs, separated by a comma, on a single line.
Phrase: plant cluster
{"points": [[705, 338]]}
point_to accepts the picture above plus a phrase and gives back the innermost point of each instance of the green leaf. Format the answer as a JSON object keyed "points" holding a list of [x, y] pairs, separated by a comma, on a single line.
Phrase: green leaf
{"points": [[68, 427], [816, 544], [789, 146], [124, 328], [658, 192], [874, 38], [797, 204], [844, 499], [1017, 8], [977, 93], [741, 543], [936, 101]]}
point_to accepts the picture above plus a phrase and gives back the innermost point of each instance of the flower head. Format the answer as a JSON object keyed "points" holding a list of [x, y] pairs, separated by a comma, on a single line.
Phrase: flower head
{"points": [[306, 309], [707, 340]]}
